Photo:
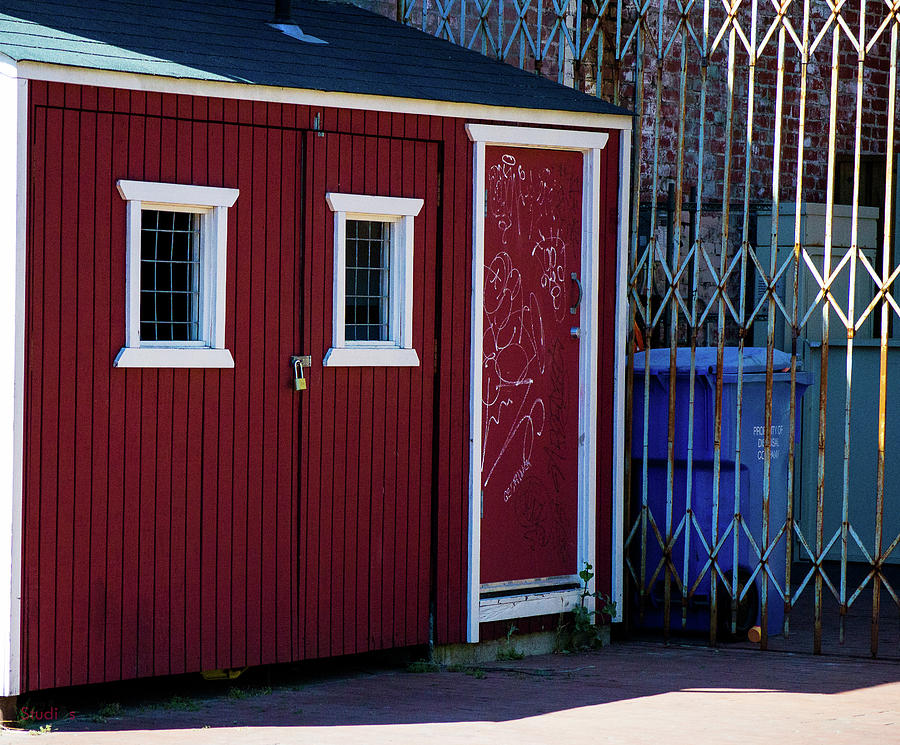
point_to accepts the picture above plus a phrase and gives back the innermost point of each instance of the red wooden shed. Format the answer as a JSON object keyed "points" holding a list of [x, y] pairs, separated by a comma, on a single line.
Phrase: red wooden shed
{"points": [[313, 330]]}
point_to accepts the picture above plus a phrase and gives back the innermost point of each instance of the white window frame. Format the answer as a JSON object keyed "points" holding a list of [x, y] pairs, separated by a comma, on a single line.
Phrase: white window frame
{"points": [[399, 213], [211, 204]]}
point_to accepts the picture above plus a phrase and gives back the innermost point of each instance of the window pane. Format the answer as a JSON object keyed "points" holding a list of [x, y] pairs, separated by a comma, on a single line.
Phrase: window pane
{"points": [[170, 276], [367, 281]]}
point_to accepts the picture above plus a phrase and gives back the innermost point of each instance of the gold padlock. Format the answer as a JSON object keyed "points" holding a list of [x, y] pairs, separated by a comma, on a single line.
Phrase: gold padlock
{"points": [[299, 380]]}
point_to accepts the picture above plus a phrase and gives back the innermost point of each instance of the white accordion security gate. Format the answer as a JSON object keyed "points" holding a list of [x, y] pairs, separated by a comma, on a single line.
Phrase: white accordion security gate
{"points": [[764, 197]]}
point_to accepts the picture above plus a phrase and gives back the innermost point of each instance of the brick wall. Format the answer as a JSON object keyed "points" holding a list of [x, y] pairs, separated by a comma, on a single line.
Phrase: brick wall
{"points": [[597, 42], [664, 108]]}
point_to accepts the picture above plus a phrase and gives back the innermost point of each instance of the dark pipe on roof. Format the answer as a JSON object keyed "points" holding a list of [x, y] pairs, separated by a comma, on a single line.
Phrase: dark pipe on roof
{"points": [[282, 11]]}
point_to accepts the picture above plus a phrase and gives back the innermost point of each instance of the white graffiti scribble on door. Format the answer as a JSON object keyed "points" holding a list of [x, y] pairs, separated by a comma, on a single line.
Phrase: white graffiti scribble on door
{"points": [[525, 204], [513, 356]]}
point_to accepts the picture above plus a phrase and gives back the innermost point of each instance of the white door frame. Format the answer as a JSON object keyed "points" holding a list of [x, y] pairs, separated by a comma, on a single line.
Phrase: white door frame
{"points": [[13, 189], [589, 144]]}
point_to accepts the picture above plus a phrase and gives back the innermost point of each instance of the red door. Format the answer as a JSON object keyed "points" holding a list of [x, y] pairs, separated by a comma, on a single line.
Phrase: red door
{"points": [[365, 476], [532, 246]]}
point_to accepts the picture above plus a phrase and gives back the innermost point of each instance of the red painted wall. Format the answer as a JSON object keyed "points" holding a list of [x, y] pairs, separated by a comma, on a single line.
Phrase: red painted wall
{"points": [[173, 519]]}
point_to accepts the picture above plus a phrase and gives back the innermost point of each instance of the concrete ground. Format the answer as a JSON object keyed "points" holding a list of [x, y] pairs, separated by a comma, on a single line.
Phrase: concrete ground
{"points": [[626, 693]]}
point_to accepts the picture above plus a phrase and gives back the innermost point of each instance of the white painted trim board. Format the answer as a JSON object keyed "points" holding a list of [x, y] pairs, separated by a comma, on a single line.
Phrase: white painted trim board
{"points": [[13, 159], [618, 514], [473, 581], [492, 134], [173, 357], [248, 92], [184, 195], [525, 605]]}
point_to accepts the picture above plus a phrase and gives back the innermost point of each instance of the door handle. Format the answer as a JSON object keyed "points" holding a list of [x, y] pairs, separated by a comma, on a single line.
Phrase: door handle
{"points": [[574, 309]]}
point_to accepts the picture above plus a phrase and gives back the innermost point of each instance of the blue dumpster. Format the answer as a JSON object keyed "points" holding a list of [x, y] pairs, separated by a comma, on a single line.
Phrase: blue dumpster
{"points": [[749, 476]]}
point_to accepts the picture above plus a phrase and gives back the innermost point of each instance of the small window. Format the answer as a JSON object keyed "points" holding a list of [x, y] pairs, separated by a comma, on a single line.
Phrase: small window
{"points": [[170, 276], [175, 275], [368, 285], [373, 259]]}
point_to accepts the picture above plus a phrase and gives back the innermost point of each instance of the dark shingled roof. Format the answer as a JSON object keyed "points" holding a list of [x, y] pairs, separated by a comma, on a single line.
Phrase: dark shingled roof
{"points": [[231, 40]]}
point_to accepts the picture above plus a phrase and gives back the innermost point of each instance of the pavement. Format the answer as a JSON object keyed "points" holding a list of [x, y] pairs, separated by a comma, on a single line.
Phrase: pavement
{"points": [[629, 692]]}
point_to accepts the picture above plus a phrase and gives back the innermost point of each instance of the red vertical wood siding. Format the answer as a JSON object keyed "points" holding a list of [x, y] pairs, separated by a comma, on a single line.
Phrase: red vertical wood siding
{"points": [[177, 520], [606, 356], [363, 483]]}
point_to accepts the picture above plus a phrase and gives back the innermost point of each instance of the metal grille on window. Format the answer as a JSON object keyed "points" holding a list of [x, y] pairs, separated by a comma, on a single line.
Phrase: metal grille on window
{"points": [[170, 276], [368, 281]]}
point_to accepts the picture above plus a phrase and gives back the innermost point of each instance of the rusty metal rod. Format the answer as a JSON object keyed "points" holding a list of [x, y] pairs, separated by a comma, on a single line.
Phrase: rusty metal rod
{"points": [[823, 374], [878, 556], [795, 313]]}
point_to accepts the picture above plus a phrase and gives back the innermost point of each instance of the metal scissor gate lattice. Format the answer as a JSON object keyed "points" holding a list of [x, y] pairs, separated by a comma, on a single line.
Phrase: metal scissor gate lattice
{"points": [[763, 257]]}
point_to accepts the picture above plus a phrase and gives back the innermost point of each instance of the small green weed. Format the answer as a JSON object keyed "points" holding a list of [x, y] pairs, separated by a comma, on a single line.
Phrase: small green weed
{"points": [[241, 693], [586, 634], [182, 703], [476, 672], [40, 716], [423, 666], [45, 728], [507, 650], [113, 709], [23, 713]]}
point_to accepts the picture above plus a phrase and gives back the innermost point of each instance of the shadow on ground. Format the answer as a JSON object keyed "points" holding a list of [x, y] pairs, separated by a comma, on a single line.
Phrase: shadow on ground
{"points": [[371, 691]]}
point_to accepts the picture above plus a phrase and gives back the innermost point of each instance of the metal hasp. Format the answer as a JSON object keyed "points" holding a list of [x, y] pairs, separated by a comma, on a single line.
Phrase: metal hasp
{"points": [[298, 362]]}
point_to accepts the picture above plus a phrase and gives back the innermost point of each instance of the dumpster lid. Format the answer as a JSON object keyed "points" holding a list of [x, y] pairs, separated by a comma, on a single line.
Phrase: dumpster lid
{"points": [[705, 360]]}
